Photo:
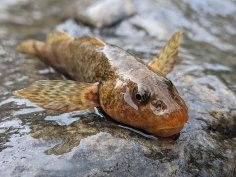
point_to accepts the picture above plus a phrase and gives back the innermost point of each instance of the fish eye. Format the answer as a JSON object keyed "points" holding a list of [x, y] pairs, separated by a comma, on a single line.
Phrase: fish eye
{"points": [[138, 96], [142, 97]]}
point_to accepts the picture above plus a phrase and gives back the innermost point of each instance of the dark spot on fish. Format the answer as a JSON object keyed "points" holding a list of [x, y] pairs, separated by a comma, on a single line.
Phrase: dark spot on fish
{"points": [[169, 85], [171, 88]]}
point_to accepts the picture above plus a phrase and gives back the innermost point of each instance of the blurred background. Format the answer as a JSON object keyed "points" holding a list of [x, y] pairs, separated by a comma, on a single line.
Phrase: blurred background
{"points": [[36, 143]]}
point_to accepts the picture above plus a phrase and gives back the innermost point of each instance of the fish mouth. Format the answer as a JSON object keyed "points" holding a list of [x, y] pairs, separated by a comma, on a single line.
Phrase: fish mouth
{"points": [[167, 132], [170, 125]]}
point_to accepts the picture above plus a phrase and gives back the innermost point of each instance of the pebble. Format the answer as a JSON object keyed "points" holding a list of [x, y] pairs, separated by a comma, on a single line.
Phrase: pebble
{"points": [[95, 13]]}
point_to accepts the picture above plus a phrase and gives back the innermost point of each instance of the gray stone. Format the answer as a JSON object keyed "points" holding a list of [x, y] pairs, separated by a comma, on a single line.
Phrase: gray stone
{"points": [[96, 13]]}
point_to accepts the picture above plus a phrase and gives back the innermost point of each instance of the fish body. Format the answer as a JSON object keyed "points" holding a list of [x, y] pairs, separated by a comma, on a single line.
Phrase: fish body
{"points": [[109, 77]]}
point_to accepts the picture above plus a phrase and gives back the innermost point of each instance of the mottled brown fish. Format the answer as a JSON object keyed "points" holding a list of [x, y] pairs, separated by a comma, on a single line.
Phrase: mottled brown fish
{"points": [[106, 76]]}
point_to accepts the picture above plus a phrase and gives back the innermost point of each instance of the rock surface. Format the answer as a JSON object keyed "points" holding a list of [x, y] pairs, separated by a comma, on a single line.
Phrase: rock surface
{"points": [[101, 13], [36, 143]]}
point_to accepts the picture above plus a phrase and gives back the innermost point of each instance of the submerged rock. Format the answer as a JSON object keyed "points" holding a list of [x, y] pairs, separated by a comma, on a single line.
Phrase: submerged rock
{"points": [[102, 13]]}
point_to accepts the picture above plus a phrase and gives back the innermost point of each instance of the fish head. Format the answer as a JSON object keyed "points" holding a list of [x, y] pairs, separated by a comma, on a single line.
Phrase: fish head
{"points": [[148, 101]]}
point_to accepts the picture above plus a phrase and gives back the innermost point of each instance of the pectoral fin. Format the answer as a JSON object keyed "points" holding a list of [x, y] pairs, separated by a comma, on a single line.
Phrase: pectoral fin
{"points": [[166, 60], [61, 96]]}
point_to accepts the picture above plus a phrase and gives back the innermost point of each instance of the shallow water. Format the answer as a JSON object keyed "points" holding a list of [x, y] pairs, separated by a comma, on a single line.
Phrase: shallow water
{"points": [[36, 143]]}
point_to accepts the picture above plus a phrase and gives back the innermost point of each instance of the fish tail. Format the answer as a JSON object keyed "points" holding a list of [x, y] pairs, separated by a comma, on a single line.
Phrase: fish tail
{"points": [[31, 47]]}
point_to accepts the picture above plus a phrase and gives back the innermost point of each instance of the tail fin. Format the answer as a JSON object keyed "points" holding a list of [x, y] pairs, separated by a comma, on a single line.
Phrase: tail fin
{"points": [[166, 60], [30, 47]]}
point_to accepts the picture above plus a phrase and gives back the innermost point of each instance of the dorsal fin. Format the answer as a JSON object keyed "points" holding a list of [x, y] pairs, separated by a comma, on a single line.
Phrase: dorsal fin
{"points": [[165, 61], [93, 41], [57, 36]]}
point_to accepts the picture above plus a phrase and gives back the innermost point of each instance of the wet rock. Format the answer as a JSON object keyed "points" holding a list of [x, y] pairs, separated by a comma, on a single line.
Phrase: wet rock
{"points": [[151, 26], [225, 122], [103, 146], [96, 13], [75, 29]]}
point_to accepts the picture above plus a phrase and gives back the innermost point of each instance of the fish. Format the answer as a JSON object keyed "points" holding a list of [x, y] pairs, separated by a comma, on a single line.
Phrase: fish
{"points": [[107, 77]]}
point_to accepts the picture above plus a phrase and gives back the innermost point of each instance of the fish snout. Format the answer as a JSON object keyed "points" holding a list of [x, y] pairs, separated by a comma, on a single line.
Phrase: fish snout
{"points": [[165, 122]]}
